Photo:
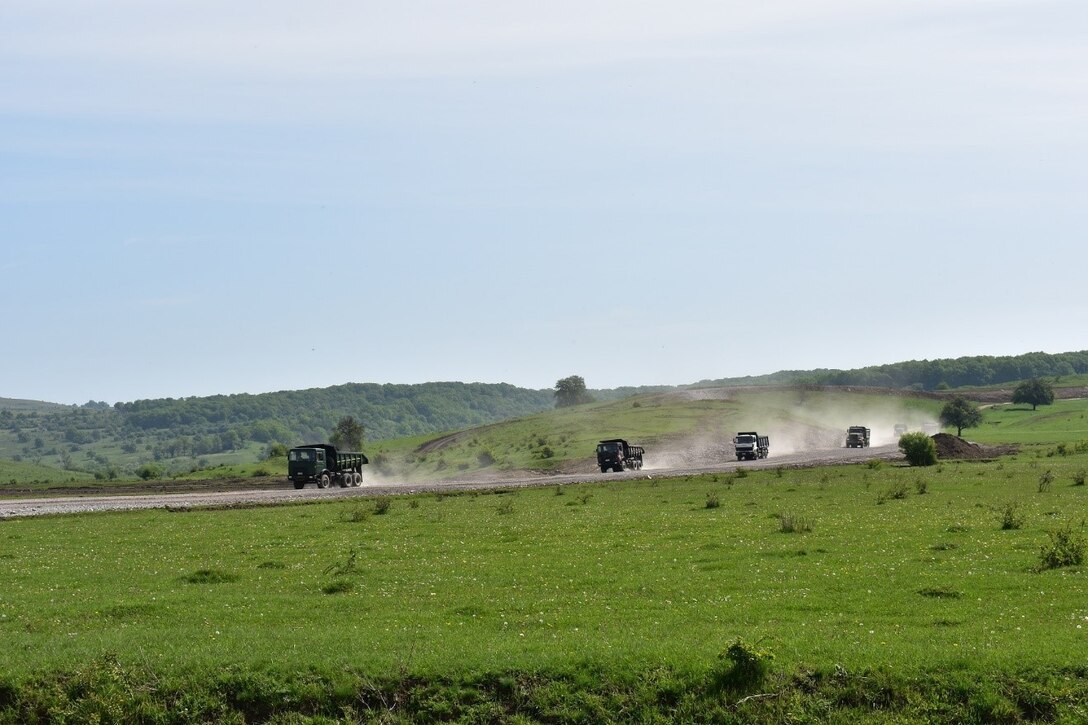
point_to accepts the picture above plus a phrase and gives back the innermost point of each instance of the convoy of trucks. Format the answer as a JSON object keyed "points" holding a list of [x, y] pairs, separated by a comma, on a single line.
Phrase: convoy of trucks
{"points": [[857, 436], [616, 454], [322, 464], [751, 445]]}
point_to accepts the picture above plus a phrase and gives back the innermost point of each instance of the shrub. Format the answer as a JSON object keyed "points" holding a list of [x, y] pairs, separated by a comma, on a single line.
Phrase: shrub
{"points": [[1065, 548], [149, 471], [919, 449], [485, 459], [712, 501], [921, 486], [1011, 517], [741, 473], [1078, 478], [382, 505], [747, 667], [875, 464], [1045, 479], [505, 508]]}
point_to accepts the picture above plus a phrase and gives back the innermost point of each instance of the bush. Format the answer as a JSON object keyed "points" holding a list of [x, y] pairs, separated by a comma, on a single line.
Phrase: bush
{"points": [[921, 486], [1078, 478], [149, 471], [1011, 518], [748, 667], [485, 459], [919, 449], [382, 505], [712, 501], [1045, 480], [1065, 548]]}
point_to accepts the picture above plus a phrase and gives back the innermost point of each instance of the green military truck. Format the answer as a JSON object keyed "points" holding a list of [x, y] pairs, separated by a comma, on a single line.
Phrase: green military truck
{"points": [[616, 454], [322, 464], [857, 436]]}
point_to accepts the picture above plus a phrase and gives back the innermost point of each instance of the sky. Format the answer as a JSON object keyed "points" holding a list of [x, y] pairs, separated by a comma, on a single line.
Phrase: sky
{"points": [[203, 198]]}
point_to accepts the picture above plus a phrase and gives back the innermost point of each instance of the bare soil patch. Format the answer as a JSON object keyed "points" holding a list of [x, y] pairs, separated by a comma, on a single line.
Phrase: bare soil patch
{"points": [[950, 447]]}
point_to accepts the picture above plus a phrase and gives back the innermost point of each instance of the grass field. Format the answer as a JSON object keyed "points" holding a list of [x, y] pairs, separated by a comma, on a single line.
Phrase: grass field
{"points": [[904, 571]]}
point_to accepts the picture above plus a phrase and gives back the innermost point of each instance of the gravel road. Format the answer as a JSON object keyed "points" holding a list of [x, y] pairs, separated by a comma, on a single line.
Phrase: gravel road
{"points": [[280, 491]]}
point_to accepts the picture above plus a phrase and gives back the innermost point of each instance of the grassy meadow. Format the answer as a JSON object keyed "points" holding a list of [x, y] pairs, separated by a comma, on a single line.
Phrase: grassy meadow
{"points": [[568, 603]]}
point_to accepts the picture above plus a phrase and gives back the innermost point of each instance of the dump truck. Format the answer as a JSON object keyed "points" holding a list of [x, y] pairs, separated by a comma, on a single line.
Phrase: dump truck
{"points": [[322, 464], [900, 429], [751, 445], [857, 436], [617, 454]]}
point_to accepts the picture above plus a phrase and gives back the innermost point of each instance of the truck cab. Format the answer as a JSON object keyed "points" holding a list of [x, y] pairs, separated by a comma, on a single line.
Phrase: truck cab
{"points": [[617, 454], [306, 464]]}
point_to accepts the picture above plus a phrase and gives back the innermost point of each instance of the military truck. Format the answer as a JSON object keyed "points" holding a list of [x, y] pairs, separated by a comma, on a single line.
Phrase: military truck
{"points": [[900, 429], [857, 436], [617, 454], [751, 445], [322, 464]]}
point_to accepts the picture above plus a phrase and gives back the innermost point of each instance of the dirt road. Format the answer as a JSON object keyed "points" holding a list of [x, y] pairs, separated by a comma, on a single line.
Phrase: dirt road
{"points": [[272, 491]]}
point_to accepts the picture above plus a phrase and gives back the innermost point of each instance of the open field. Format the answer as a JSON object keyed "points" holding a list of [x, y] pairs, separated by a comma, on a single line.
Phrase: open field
{"points": [[904, 570]]}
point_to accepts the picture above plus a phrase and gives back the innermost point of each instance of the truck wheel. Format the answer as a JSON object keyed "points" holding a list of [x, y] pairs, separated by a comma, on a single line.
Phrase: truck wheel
{"points": [[323, 482], [344, 479], [357, 479], [299, 484], [604, 469], [617, 469]]}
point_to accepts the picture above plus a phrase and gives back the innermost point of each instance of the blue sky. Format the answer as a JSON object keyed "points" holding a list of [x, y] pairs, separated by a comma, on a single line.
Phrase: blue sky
{"points": [[201, 198]]}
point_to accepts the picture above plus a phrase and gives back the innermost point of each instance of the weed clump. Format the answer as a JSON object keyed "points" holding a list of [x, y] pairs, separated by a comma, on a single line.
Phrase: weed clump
{"points": [[1065, 548], [712, 501], [1045, 479], [895, 491], [210, 576], [741, 473], [790, 524], [1011, 518], [1078, 478], [742, 667], [382, 505]]}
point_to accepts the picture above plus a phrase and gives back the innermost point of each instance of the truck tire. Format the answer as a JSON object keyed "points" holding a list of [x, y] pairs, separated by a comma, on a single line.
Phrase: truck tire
{"points": [[357, 479], [617, 469], [300, 484], [604, 469], [323, 482], [344, 480]]}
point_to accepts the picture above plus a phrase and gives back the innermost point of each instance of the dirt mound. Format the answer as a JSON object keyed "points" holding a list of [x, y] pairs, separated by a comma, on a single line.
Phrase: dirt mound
{"points": [[952, 447]]}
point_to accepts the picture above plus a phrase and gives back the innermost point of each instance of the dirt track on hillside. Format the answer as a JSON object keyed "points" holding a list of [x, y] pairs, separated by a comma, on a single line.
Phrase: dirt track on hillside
{"points": [[246, 492]]}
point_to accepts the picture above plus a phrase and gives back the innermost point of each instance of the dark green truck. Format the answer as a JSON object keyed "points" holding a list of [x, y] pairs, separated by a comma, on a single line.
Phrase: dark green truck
{"points": [[323, 464]]}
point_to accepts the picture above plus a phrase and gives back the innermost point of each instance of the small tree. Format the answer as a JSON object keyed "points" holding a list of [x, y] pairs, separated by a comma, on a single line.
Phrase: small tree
{"points": [[1034, 392], [348, 434], [571, 391], [961, 414], [919, 449]]}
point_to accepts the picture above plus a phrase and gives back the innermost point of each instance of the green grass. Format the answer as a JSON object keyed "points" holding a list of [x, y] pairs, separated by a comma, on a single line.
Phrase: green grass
{"points": [[1064, 421], [23, 471], [618, 578]]}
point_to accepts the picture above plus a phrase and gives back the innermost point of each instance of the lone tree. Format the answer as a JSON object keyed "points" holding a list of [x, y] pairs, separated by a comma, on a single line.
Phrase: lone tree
{"points": [[571, 391], [961, 414], [348, 434], [1035, 392]]}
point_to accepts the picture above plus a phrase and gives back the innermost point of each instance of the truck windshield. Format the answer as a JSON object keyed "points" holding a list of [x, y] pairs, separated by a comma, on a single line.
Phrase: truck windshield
{"points": [[301, 455], [609, 448], [745, 439]]}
